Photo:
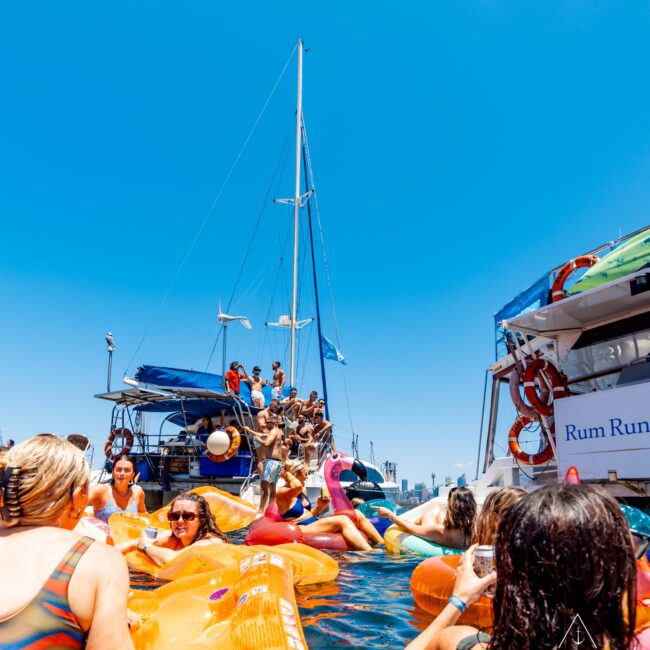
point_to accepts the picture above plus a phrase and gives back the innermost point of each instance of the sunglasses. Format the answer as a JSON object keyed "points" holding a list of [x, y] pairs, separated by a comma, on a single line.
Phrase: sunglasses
{"points": [[177, 516]]}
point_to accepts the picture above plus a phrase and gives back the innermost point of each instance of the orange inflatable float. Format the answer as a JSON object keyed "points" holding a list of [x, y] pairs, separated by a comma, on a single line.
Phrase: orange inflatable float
{"points": [[246, 606], [432, 583]]}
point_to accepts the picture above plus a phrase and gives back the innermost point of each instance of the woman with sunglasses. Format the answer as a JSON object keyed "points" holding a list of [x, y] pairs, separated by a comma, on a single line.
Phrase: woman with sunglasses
{"points": [[191, 524]]}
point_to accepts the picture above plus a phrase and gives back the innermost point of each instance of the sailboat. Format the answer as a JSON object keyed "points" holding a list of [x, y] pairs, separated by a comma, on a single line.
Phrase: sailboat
{"points": [[182, 397]]}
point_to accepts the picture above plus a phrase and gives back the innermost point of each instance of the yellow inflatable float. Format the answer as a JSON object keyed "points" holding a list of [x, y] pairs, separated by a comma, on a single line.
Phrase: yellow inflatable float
{"points": [[245, 606]]}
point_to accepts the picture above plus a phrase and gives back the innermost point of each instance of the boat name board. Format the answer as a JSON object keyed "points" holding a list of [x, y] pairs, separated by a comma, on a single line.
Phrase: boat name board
{"points": [[605, 431]]}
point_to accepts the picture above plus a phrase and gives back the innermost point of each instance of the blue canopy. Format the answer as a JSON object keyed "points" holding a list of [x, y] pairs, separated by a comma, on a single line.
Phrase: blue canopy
{"points": [[163, 377]]}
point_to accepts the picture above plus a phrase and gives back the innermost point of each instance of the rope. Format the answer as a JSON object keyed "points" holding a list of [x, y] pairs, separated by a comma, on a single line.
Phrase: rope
{"points": [[327, 271], [212, 207]]}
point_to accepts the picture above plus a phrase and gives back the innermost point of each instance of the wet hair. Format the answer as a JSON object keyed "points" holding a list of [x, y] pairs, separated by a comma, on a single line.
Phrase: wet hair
{"points": [[564, 550], [487, 522], [295, 466], [208, 527], [117, 460], [461, 511], [37, 480]]}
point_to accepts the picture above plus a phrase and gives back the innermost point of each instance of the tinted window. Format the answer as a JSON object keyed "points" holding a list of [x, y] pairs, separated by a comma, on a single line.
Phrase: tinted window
{"points": [[347, 475]]}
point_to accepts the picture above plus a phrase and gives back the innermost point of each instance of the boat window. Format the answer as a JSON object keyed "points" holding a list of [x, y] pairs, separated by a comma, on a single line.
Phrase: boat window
{"points": [[602, 356], [347, 475]]}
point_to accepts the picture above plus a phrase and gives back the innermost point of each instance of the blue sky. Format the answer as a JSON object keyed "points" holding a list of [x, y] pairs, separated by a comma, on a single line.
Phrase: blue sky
{"points": [[460, 149]]}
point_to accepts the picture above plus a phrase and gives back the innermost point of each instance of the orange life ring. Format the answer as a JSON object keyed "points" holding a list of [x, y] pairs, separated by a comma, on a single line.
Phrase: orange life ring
{"points": [[518, 401], [235, 440], [584, 261], [122, 451], [558, 389], [515, 449], [432, 583]]}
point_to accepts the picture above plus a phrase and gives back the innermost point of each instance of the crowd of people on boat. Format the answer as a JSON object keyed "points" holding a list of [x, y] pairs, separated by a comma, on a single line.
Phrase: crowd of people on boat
{"points": [[561, 550]]}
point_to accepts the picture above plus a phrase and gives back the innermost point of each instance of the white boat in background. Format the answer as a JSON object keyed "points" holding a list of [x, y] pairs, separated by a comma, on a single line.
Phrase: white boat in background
{"points": [[598, 339], [173, 458]]}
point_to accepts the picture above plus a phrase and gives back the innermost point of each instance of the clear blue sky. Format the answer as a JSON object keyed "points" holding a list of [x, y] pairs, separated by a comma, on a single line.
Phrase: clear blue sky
{"points": [[460, 149]]}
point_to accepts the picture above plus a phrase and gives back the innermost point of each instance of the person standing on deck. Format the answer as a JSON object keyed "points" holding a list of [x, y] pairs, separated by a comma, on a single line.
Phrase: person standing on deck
{"points": [[263, 426], [279, 380], [256, 384], [272, 444], [233, 378]]}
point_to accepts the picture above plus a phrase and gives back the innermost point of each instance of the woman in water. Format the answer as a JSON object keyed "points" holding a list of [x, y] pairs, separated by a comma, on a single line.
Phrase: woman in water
{"points": [[494, 507], [452, 529], [562, 551], [191, 523], [295, 507], [120, 495], [60, 589]]}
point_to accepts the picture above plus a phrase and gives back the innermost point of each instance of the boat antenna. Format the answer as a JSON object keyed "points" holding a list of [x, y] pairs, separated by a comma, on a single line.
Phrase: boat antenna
{"points": [[110, 342]]}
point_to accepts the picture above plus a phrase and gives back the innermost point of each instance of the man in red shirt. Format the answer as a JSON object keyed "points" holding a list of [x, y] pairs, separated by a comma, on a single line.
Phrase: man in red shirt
{"points": [[233, 378]]}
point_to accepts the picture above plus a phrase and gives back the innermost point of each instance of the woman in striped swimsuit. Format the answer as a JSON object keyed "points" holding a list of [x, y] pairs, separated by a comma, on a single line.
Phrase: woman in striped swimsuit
{"points": [[60, 590]]}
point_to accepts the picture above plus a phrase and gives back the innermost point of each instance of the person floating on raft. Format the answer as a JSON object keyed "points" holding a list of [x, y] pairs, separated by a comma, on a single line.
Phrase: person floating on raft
{"points": [[452, 529], [291, 518]]}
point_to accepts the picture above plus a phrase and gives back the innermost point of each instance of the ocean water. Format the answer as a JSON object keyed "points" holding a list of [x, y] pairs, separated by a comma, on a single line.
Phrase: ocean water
{"points": [[368, 606]]}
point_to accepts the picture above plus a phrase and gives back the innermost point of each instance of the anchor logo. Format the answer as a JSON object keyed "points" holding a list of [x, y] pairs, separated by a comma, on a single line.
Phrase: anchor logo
{"points": [[577, 634]]}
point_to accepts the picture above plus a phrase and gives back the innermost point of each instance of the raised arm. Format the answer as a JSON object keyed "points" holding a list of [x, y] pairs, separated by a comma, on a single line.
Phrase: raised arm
{"points": [[434, 532]]}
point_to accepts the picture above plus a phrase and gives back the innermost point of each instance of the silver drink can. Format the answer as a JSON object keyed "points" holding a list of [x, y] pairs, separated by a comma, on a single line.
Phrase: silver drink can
{"points": [[484, 564], [151, 532]]}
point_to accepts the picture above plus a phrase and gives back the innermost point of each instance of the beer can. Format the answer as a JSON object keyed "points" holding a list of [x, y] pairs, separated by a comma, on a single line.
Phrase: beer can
{"points": [[484, 564], [151, 532]]}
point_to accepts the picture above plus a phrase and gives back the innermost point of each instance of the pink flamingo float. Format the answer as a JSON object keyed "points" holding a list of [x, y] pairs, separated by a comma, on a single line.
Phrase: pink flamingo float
{"points": [[272, 529]]}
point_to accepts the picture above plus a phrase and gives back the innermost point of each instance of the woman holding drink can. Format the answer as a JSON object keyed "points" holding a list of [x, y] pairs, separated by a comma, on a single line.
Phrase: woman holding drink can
{"points": [[561, 551]]}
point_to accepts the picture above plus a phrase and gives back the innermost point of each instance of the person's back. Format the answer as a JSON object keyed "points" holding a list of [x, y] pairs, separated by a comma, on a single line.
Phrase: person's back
{"points": [[66, 590]]}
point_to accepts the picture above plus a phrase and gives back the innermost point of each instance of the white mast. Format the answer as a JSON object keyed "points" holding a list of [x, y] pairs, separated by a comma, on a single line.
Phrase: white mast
{"points": [[296, 214]]}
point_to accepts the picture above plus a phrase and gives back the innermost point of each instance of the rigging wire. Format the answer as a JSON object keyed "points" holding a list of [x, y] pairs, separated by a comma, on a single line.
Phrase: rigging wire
{"points": [[212, 207], [327, 272]]}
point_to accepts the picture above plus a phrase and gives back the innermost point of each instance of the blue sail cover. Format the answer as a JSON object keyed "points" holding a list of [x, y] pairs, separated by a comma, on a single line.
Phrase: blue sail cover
{"points": [[163, 377]]}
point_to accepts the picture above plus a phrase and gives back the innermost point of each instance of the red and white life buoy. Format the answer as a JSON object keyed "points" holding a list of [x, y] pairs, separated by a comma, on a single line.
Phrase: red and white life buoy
{"points": [[515, 448], [517, 399], [584, 261], [235, 441], [542, 368], [127, 437]]}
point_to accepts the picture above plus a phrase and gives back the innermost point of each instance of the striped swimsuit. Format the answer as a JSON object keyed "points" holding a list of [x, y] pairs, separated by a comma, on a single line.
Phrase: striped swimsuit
{"points": [[47, 621]]}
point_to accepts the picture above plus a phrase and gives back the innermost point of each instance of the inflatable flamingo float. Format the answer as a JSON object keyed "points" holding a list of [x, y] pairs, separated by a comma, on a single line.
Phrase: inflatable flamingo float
{"points": [[272, 529]]}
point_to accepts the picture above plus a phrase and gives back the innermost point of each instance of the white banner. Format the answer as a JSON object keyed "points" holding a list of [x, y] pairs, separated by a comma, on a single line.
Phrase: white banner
{"points": [[604, 431]]}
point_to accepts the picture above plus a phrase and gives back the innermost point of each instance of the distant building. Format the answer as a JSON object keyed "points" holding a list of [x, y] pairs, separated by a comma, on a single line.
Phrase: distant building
{"points": [[420, 489], [405, 485]]}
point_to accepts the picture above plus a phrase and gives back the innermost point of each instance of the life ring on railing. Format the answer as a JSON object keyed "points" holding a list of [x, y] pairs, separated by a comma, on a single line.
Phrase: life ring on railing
{"points": [[235, 441], [124, 449], [518, 453], [558, 388], [517, 399], [584, 261]]}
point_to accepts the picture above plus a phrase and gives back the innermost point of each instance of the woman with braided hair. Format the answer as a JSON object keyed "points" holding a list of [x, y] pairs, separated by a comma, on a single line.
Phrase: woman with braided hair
{"points": [[66, 591]]}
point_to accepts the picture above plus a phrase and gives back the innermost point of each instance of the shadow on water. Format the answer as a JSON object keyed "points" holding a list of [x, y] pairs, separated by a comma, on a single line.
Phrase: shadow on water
{"points": [[368, 606]]}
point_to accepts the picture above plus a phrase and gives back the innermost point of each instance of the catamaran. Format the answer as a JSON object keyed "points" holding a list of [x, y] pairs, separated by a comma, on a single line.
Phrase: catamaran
{"points": [[174, 458]]}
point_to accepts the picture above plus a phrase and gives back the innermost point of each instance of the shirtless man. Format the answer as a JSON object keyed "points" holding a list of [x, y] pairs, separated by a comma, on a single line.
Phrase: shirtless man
{"points": [[305, 437], [263, 426], [256, 384], [323, 430], [309, 405], [292, 404], [271, 443], [279, 380]]}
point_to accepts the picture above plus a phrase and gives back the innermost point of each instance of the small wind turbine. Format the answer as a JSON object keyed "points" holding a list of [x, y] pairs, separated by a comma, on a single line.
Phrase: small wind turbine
{"points": [[225, 320]]}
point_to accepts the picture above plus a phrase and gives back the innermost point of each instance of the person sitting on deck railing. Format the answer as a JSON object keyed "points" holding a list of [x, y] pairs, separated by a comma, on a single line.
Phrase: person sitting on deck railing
{"points": [[292, 404], [191, 523], [310, 405], [323, 430]]}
